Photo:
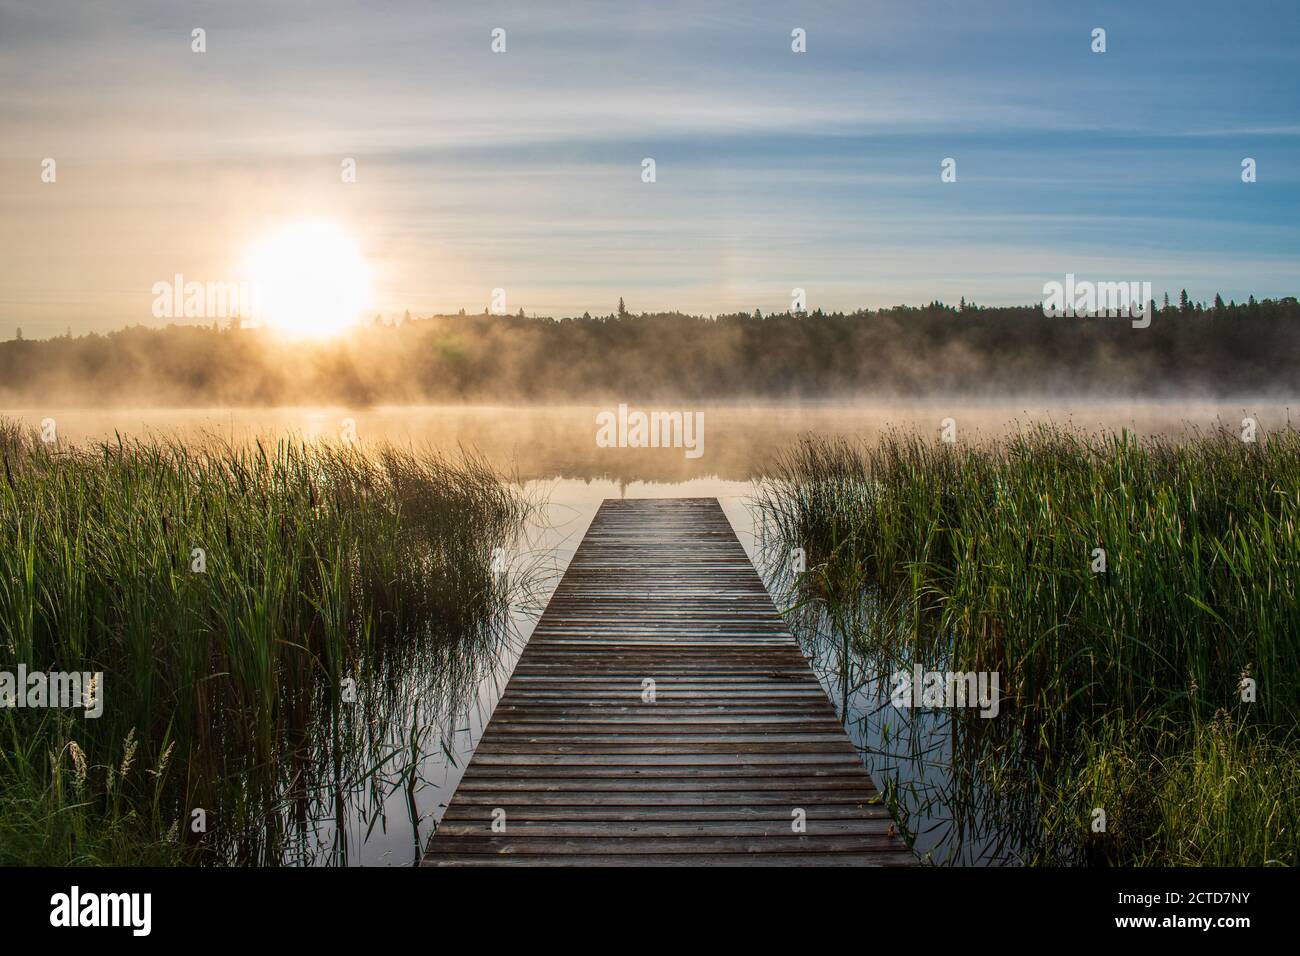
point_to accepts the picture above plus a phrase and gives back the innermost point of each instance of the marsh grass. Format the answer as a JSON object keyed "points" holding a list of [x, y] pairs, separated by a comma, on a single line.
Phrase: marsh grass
{"points": [[228, 687], [1121, 689]]}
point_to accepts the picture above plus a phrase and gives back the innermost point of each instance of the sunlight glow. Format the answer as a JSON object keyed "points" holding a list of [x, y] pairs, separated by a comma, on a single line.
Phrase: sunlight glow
{"points": [[310, 278]]}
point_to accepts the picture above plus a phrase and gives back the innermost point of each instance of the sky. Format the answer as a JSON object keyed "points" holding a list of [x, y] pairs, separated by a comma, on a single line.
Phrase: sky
{"points": [[522, 170]]}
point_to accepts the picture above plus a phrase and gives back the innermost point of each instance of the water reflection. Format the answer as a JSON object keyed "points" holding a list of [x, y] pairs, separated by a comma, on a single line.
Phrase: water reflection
{"points": [[919, 757], [965, 790], [546, 443], [360, 776]]}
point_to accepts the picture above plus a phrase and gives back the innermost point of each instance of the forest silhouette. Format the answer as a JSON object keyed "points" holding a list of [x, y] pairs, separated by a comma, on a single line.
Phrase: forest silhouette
{"points": [[1190, 350]]}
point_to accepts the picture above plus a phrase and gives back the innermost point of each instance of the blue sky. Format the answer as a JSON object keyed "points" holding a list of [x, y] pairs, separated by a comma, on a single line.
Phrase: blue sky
{"points": [[775, 170]]}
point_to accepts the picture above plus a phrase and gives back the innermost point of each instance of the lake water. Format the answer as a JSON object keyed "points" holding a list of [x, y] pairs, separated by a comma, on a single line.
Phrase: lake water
{"points": [[553, 455]]}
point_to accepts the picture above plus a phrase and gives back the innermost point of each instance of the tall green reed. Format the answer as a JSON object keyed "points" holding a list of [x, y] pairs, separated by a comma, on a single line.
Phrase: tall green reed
{"points": [[982, 557], [228, 594]]}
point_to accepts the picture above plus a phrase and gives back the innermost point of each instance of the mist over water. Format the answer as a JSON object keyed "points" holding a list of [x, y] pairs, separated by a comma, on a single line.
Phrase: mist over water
{"points": [[548, 442]]}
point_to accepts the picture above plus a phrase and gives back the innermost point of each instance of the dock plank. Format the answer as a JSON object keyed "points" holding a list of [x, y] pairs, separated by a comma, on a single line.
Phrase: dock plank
{"points": [[581, 769]]}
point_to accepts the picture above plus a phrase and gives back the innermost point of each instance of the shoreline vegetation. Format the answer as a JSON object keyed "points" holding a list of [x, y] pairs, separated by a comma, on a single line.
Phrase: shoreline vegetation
{"points": [[346, 608], [1214, 350], [1160, 690], [274, 624]]}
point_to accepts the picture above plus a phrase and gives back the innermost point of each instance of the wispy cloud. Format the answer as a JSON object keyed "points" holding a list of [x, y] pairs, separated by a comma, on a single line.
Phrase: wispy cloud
{"points": [[523, 170]]}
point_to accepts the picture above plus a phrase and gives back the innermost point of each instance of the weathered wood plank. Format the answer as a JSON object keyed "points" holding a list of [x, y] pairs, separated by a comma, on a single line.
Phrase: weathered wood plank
{"points": [[737, 758], [804, 858], [482, 817], [878, 827]]}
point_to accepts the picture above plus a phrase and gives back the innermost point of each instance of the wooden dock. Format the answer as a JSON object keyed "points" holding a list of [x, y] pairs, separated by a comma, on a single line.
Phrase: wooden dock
{"points": [[582, 765]]}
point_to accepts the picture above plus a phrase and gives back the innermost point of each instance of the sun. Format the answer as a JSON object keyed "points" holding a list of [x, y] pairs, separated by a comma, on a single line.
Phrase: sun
{"points": [[309, 279]]}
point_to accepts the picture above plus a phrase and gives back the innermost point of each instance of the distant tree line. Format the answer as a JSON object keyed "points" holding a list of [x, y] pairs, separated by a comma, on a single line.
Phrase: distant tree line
{"points": [[1216, 350]]}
